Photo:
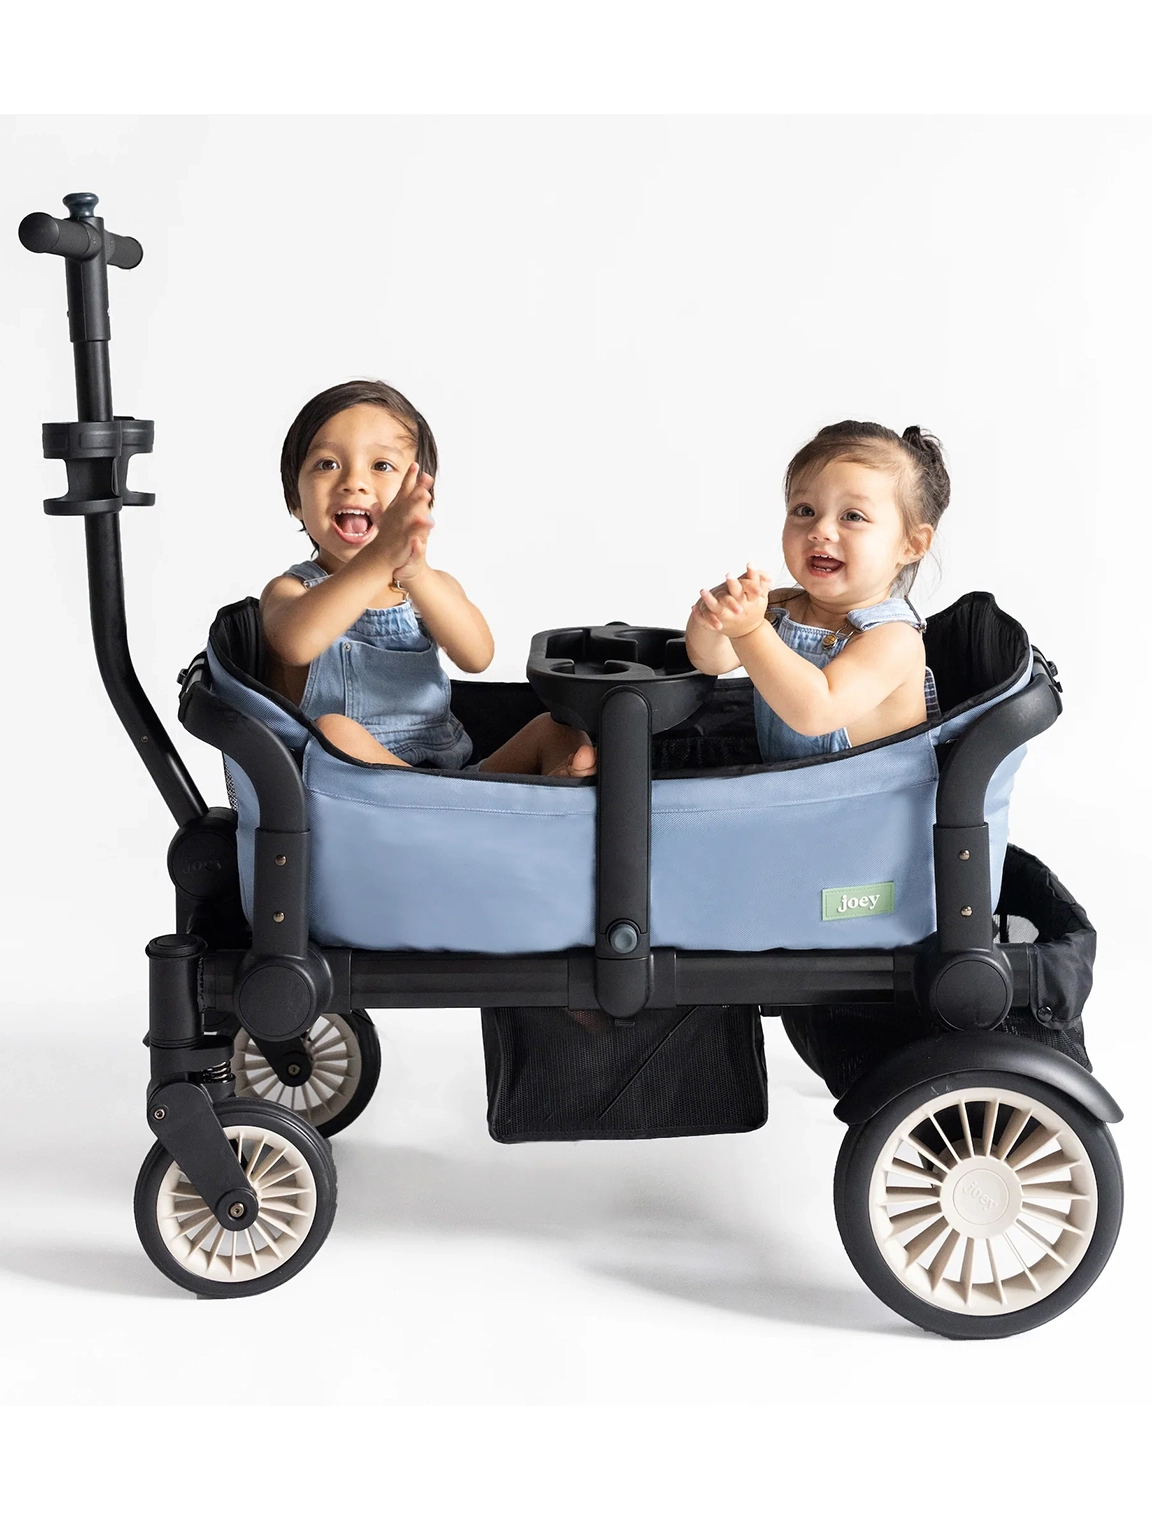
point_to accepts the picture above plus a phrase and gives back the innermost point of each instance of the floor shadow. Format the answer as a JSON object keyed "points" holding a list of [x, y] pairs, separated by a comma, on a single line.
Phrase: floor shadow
{"points": [[114, 1272], [762, 1295], [641, 1230], [411, 1189]]}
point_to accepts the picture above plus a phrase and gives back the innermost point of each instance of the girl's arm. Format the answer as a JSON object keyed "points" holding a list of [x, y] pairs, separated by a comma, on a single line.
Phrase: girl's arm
{"points": [[708, 651], [812, 701], [815, 702], [456, 624]]}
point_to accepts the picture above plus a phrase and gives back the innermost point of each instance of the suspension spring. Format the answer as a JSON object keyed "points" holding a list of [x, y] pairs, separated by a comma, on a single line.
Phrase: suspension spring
{"points": [[220, 1073]]}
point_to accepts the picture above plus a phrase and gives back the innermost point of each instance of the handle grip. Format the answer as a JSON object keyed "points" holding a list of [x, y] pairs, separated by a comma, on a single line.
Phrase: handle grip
{"points": [[79, 240]]}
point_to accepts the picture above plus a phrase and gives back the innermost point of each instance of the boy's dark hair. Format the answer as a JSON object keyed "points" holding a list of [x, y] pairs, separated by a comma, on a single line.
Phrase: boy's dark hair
{"points": [[329, 403], [915, 457]]}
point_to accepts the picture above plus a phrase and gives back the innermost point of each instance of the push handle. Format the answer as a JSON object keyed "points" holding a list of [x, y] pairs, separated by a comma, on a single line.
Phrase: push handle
{"points": [[76, 238], [96, 448]]}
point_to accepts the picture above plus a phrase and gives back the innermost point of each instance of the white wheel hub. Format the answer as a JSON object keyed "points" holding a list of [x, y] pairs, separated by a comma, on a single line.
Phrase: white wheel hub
{"points": [[983, 1201], [286, 1190], [334, 1052]]}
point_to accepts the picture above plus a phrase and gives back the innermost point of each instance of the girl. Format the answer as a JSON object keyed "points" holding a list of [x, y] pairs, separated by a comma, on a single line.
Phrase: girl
{"points": [[353, 634], [838, 661]]}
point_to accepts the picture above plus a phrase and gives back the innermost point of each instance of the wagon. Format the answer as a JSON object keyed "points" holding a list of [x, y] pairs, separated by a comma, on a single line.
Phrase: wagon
{"points": [[623, 939]]}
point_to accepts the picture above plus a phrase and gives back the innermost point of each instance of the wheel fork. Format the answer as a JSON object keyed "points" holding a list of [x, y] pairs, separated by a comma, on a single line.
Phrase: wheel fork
{"points": [[187, 1079]]}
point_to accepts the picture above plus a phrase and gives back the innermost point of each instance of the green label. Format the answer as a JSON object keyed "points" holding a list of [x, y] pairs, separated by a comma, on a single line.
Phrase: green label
{"points": [[859, 900]]}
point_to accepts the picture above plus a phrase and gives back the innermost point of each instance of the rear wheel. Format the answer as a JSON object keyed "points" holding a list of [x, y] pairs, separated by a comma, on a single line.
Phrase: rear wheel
{"points": [[982, 1209], [345, 1054]]}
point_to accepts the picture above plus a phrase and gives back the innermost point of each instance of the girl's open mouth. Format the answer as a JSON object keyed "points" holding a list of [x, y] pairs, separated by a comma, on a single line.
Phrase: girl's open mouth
{"points": [[354, 527], [824, 565]]}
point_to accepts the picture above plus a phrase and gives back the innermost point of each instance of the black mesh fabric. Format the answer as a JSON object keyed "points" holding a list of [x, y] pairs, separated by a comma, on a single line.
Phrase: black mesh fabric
{"points": [[974, 649], [1064, 948], [556, 1074], [492, 712], [840, 1044]]}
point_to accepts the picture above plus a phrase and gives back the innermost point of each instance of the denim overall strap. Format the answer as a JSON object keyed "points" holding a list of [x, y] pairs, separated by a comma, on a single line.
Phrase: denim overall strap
{"points": [[310, 572], [385, 672], [778, 741]]}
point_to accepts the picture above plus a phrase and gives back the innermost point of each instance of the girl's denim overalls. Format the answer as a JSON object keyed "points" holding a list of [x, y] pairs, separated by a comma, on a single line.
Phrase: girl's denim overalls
{"points": [[779, 742], [385, 672]]}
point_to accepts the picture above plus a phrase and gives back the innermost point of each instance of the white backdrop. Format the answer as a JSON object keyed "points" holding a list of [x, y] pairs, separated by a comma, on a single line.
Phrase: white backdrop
{"points": [[620, 329]]}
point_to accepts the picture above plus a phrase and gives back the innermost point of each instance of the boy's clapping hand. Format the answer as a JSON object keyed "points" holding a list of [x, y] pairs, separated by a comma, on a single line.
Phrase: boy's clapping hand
{"points": [[405, 523]]}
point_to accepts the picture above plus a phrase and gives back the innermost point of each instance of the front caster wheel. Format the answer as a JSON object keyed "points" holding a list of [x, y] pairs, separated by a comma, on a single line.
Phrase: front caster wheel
{"points": [[345, 1055], [979, 1211], [289, 1165]]}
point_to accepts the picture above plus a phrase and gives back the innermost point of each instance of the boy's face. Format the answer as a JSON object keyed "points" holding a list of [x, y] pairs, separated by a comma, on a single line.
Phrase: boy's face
{"points": [[844, 535], [351, 472]]}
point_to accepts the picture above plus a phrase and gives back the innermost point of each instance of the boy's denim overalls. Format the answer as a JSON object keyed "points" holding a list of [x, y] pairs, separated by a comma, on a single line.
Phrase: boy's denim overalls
{"points": [[385, 672]]}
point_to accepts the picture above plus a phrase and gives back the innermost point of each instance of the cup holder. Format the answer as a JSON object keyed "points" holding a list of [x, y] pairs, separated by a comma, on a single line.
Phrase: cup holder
{"points": [[572, 671]]}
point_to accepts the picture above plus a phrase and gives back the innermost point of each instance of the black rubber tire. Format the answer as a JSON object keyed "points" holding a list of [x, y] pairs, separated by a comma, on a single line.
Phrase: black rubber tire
{"points": [[261, 1116], [863, 1144], [368, 1045]]}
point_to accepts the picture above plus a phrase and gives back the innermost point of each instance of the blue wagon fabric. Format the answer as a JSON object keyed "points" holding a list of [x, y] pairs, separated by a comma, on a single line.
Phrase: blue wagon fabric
{"points": [[741, 858]]}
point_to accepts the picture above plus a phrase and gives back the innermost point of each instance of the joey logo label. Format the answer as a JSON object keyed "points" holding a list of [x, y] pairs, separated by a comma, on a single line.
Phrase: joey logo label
{"points": [[859, 900]]}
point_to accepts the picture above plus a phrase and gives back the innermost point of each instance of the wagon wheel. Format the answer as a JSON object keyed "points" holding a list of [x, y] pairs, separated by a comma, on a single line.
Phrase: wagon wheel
{"points": [[290, 1167], [981, 1210], [345, 1054]]}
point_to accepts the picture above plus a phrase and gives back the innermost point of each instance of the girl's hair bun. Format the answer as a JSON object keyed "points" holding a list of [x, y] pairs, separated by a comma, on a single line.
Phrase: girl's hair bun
{"points": [[923, 442]]}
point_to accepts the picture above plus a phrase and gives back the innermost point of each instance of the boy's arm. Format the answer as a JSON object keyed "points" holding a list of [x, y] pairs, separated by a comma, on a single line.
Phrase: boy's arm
{"points": [[456, 624], [301, 622]]}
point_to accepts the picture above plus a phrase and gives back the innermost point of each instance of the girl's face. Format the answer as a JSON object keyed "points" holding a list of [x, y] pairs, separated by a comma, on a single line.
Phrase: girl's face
{"points": [[351, 472], [844, 535]]}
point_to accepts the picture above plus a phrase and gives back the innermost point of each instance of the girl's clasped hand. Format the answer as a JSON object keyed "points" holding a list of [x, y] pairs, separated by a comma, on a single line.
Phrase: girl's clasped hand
{"points": [[737, 606]]}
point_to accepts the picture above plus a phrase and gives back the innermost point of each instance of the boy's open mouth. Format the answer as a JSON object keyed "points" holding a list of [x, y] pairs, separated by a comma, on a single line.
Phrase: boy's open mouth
{"points": [[824, 565], [353, 525]]}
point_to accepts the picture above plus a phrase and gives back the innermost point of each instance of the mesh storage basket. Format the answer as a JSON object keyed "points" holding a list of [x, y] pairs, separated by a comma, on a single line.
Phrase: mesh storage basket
{"points": [[556, 1074]]}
